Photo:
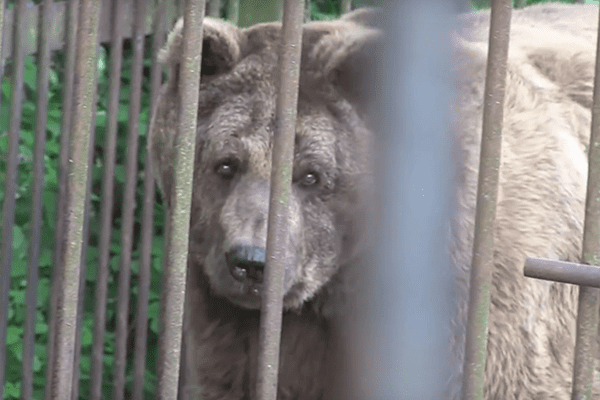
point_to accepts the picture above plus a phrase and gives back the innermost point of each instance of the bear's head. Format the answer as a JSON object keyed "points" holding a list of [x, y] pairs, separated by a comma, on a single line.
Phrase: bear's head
{"points": [[236, 121]]}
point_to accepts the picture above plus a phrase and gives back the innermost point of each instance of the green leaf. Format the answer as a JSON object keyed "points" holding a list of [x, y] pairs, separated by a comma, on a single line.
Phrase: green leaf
{"points": [[120, 173], [18, 297], [30, 73], [13, 335], [86, 336], [37, 364], [12, 390], [18, 238]]}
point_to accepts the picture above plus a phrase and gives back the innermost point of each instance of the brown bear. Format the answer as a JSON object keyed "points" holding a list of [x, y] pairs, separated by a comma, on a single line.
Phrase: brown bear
{"points": [[231, 195], [539, 214], [541, 193]]}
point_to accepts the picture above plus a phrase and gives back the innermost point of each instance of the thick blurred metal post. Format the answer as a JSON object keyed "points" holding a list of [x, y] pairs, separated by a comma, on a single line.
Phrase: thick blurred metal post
{"points": [[281, 186], [181, 200], [489, 164], [411, 295]]}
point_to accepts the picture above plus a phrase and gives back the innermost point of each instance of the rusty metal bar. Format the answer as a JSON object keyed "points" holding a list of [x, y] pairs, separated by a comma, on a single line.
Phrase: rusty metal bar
{"points": [[179, 219], [128, 208], [67, 117], [233, 11], [213, 8], [36, 208], [483, 247], [345, 6], [562, 271], [8, 208], [589, 298], [57, 29], [141, 319], [281, 180], [2, 47], [106, 212], [85, 72], [84, 244]]}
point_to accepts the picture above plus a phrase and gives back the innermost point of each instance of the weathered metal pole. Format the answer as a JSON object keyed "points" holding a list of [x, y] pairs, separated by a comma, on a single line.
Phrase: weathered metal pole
{"points": [[179, 218], [43, 61], [281, 186], [346, 6], [562, 271], [233, 11], [71, 27], [85, 74], [10, 185], [589, 298], [214, 8], [483, 247]]}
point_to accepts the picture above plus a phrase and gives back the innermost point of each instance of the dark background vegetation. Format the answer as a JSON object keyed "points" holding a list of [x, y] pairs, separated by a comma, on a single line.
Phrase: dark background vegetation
{"points": [[319, 9]]}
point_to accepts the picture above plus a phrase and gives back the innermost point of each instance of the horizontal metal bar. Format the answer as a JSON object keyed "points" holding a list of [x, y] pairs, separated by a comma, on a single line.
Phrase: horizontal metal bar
{"points": [[562, 271]]}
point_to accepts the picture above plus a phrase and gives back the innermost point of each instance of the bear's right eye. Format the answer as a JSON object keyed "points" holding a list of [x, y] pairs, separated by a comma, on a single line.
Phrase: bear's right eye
{"points": [[226, 169]]}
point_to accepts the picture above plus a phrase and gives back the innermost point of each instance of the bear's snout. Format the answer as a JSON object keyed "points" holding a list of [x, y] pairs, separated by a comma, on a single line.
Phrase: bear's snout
{"points": [[246, 263]]}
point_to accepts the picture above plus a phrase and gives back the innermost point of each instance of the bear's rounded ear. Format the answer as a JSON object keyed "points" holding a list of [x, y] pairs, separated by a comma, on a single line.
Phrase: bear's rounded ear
{"points": [[369, 17], [352, 63], [346, 53], [222, 46]]}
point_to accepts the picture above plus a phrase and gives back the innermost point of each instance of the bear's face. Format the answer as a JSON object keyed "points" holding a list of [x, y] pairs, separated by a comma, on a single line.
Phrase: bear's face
{"points": [[236, 123]]}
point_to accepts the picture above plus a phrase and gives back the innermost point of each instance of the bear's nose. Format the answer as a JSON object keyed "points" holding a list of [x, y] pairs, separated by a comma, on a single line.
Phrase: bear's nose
{"points": [[246, 262]]}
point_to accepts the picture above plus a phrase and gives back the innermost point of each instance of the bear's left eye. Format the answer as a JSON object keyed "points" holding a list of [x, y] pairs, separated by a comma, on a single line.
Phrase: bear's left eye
{"points": [[309, 179], [226, 169]]}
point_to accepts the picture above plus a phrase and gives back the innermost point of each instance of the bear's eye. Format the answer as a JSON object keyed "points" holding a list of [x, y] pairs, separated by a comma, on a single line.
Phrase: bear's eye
{"points": [[309, 179], [226, 169]]}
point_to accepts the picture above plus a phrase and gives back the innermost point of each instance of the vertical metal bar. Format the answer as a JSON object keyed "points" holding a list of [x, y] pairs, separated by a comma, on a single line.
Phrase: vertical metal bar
{"points": [[307, 10], [141, 320], [179, 219], [589, 297], [2, 13], [483, 247], [346, 6], [214, 8], [71, 26], [8, 208], [128, 218], [116, 54], [85, 72], [281, 181], [84, 244], [36, 208], [233, 11], [407, 319]]}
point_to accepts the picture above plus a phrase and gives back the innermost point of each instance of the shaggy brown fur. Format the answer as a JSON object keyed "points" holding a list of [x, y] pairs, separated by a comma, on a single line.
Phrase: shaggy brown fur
{"points": [[540, 199], [541, 192], [231, 193]]}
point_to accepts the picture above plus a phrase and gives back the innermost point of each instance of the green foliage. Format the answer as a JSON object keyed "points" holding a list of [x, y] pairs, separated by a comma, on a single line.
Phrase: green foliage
{"points": [[23, 214]]}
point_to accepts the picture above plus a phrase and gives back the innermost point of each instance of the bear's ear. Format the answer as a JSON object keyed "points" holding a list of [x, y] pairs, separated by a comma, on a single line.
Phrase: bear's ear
{"points": [[348, 56], [369, 17], [222, 46], [351, 67]]}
